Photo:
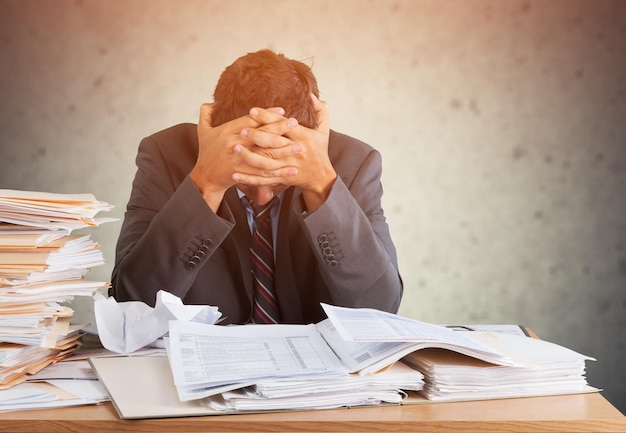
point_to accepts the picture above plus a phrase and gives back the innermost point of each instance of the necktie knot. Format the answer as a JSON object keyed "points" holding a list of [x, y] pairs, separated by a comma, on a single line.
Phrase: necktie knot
{"points": [[262, 212]]}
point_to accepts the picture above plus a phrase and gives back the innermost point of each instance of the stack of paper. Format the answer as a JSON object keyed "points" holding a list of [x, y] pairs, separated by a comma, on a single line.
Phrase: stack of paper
{"points": [[268, 367], [43, 265], [67, 383], [352, 354], [68, 257], [28, 210], [542, 368], [349, 359], [355, 357], [37, 396], [326, 392]]}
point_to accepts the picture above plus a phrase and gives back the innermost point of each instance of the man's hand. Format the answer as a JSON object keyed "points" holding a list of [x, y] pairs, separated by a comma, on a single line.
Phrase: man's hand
{"points": [[220, 149], [283, 152]]}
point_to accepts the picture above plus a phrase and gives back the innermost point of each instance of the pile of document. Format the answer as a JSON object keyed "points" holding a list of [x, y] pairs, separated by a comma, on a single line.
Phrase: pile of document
{"points": [[323, 392], [540, 368], [357, 353], [43, 265], [356, 357], [269, 367], [350, 359]]}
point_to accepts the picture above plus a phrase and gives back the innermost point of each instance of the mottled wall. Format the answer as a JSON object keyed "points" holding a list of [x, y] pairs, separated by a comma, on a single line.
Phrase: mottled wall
{"points": [[502, 126]]}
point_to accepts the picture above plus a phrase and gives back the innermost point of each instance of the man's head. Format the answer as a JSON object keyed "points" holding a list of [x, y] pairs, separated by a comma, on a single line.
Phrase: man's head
{"points": [[265, 79]]}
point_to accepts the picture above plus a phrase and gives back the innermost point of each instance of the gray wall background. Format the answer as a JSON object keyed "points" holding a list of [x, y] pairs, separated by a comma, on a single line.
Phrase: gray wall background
{"points": [[502, 126]]}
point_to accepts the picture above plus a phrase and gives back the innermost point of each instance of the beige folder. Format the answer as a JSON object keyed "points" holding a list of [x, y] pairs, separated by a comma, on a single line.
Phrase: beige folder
{"points": [[143, 387]]}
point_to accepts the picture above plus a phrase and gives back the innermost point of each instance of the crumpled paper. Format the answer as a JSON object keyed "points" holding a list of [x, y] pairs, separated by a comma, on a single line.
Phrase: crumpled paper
{"points": [[124, 327]]}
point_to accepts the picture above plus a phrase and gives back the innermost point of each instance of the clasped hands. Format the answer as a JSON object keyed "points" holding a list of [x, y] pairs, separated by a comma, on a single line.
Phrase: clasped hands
{"points": [[263, 153]]}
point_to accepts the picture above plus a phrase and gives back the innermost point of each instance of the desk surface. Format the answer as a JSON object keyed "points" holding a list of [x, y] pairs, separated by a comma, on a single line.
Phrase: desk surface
{"points": [[580, 412]]}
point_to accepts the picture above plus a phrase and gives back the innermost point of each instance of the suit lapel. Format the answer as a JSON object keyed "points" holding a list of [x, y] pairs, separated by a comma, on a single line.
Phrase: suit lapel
{"points": [[285, 282], [241, 238]]}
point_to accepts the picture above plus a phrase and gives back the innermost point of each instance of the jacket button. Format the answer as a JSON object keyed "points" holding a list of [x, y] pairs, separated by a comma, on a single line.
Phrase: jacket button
{"points": [[322, 238], [193, 262]]}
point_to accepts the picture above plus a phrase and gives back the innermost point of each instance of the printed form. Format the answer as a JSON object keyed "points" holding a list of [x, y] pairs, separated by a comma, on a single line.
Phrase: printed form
{"points": [[207, 359]]}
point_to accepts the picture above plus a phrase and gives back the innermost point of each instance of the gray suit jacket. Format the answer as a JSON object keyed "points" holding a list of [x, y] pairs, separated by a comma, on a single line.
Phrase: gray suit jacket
{"points": [[341, 254]]}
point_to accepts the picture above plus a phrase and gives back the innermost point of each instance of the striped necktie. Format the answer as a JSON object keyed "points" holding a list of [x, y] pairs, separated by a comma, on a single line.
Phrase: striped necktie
{"points": [[262, 262]]}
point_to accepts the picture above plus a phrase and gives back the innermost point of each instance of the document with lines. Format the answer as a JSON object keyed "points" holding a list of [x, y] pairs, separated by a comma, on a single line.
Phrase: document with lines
{"points": [[368, 340], [208, 360]]}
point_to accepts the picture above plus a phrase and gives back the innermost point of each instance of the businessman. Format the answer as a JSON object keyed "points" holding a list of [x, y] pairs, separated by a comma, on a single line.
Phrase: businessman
{"points": [[191, 226]]}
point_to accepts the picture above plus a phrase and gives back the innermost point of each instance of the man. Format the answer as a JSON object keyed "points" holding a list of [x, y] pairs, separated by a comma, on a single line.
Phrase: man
{"points": [[265, 140]]}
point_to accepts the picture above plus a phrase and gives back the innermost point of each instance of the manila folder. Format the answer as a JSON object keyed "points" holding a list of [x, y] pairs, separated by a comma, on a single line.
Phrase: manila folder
{"points": [[143, 387]]}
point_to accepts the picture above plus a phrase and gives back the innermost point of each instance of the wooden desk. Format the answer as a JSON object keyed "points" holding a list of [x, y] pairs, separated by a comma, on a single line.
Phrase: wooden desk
{"points": [[571, 413]]}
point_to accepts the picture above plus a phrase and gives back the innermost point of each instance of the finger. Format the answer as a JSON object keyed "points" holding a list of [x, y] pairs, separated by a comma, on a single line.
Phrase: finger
{"points": [[265, 116], [206, 114], [271, 135], [277, 110], [280, 127], [233, 126], [276, 177], [259, 160], [206, 120], [281, 153], [321, 108]]}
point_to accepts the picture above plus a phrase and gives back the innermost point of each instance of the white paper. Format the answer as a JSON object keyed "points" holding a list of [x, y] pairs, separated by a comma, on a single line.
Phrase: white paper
{"points": [[363, 357], [125, 327], [65, 370], [526, 351], [386, 337], [498, 328], [398, 376], [88, 390], [32, 396], [81, 207], [543, 368], [203, 355], [23, 393], [243, 400]]}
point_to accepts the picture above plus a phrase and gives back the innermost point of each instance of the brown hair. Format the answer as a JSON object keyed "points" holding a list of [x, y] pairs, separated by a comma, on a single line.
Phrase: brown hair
{"points": [[265, 79]]}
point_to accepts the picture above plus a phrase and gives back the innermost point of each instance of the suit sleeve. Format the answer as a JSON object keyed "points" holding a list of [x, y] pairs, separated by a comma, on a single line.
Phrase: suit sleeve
{"points": [[352, 243], [167, 223]]}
